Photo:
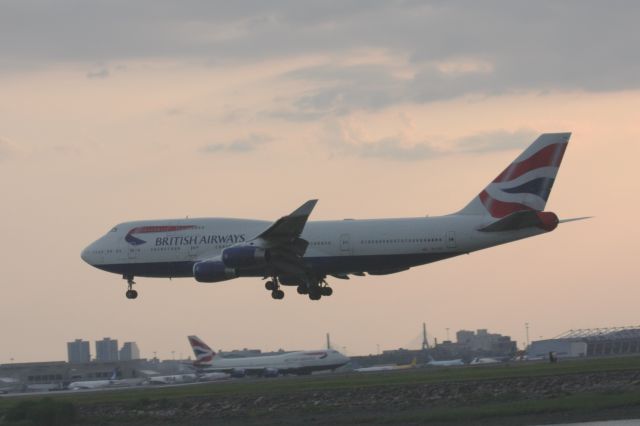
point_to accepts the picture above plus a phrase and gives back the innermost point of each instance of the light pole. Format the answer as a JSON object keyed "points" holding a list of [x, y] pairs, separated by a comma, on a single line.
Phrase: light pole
{"points": [[526, 328]]}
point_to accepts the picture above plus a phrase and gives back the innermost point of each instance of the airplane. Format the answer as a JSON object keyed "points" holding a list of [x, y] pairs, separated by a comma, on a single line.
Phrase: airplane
{"points": [[8, 384], [444, 363], [292, 252], [388, 367], [484, 361], [94, 384], [298, 362], [155, 378], [171, 379], [112, 382]]}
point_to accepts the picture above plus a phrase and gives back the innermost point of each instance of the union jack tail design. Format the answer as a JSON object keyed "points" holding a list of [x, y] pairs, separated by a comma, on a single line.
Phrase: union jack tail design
{"points": [[204, 354], [526, 184]]}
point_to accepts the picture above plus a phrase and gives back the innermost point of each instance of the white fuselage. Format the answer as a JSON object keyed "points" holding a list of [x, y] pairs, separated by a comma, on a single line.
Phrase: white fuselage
{"points": [[377, 246], [290, 362]]}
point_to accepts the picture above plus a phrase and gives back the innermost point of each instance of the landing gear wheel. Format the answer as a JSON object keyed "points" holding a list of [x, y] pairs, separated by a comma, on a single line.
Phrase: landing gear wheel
{"points": [[277, 294], [302, 289], [270, 285], [315, 294], [326, 291], [130, 293]]}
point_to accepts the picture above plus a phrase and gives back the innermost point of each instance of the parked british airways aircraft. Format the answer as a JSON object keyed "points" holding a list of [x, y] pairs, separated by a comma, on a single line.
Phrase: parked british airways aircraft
{"points": [[298, 362], [292, 252]]}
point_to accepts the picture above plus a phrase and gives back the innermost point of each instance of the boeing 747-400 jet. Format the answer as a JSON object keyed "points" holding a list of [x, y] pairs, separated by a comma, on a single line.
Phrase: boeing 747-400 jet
{"points": [[298, 362], [294, 252]]}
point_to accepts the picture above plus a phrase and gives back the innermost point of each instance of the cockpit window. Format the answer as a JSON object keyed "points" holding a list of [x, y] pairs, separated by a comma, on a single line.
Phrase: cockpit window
{"points": [[115, 229]]}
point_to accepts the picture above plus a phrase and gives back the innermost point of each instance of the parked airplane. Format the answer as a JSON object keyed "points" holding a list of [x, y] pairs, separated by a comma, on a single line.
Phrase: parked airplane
{"points": [[171, 379], [388, 367], [95, 384], [444, 363], [299, 362], [8, 384], [292, 252], [155, 378], [482, 361]]}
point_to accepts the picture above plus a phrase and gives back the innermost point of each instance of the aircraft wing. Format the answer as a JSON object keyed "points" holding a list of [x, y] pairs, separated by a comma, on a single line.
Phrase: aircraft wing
{"points": [[283, 240], [288, 228]]}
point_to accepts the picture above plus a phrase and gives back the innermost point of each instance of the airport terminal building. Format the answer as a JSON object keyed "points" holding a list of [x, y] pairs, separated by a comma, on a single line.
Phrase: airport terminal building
{"points": [[591, 342]]}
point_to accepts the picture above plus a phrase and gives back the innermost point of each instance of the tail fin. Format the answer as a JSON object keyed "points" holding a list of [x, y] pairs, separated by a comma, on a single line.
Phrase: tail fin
{"points": [[204, 354], [526, 184]]}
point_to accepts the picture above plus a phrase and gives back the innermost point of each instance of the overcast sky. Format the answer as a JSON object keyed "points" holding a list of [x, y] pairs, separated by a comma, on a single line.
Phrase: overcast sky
{"points": [[118, 110]]}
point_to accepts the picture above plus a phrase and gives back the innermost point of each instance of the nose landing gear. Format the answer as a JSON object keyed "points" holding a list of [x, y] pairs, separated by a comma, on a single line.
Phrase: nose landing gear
{"points": [[130, 293]]}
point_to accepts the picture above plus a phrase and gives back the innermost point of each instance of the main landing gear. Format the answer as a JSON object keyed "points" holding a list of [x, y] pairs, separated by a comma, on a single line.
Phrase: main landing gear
{"points": [[274, 287], [317, 290], [314, 288], [131, 293]]}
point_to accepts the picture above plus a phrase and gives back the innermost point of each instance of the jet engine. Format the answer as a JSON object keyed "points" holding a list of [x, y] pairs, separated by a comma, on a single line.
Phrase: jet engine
{"points": [[245, 257], [211, 271], [238, 373], [270, 372]]}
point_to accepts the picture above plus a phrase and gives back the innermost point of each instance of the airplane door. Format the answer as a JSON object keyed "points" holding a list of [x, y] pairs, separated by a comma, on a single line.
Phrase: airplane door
{"points": [[451, 239], [345, 244], [132, 252], [193, 251]]}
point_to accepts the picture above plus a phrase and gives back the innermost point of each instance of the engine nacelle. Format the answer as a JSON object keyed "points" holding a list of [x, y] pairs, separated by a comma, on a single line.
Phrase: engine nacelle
{"points": [[212, 271], [270, 372], [245, 257], [238, 373]]}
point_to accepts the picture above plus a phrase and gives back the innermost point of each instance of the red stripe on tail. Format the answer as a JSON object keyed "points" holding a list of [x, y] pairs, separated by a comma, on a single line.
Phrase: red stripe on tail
{"points": [[500, 209], [549, 156]]}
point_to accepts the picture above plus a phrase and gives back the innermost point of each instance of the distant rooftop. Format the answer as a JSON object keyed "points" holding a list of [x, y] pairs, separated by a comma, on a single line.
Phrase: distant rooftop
{"points": [[608, 333]]}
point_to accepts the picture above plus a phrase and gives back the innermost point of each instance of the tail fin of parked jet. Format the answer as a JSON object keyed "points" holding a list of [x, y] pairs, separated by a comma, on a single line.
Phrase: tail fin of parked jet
{"points": [[526, 184], [204, 354]]}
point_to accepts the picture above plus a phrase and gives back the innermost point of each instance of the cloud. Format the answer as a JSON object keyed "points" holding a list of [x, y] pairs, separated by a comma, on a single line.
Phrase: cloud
{"points": [[241, 145], [498, 140], [98, 73], [452, 48], [390, 148], [344, 141]]}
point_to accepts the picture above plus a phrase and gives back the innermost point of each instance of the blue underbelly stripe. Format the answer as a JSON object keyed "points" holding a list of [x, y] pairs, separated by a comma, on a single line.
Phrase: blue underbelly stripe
{"points": [[321, 265]]}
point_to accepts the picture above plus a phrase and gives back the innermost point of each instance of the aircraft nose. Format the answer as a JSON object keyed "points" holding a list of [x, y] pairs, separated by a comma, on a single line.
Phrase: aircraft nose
{"points": [[86, 254]]}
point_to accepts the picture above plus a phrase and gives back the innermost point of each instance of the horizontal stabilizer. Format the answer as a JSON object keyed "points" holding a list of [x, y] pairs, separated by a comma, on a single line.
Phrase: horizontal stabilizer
{"points": [[524, 219]]}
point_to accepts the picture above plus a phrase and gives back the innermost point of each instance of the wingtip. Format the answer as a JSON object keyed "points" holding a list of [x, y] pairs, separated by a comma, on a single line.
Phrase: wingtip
{"points": [[306, 208]]}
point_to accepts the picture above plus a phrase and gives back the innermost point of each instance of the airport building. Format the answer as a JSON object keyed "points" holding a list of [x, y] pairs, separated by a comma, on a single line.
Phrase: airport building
{"points": [[470, 344], [78, 351], [129, 351], [590, 342], [106, 350], [482, 340]]}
